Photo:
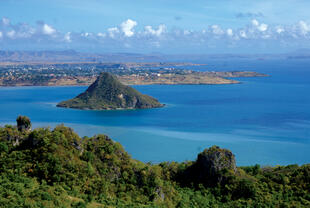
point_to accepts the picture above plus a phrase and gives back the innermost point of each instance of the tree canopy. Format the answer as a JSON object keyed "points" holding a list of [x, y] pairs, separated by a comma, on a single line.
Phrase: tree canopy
{"points": [[57, 168]]}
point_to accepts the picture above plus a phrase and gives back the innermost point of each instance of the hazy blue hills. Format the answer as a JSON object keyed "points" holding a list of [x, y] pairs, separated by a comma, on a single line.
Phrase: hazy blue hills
{"points": [[74, 56]]}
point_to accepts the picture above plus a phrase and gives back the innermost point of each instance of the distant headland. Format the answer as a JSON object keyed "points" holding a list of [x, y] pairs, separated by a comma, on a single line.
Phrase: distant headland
{"points": [[85, 73]]}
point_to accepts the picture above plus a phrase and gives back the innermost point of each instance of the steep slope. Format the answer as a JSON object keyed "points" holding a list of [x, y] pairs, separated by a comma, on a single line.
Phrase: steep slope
{"points": [[56, 168], [108, 93]]}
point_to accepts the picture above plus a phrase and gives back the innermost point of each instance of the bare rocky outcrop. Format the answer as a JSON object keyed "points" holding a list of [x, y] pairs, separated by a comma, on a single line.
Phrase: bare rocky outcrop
{"points": [[214, 160], [211, 167]]}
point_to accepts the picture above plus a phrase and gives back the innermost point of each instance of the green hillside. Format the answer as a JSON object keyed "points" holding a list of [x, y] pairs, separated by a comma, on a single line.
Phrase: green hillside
{"points": [[56, 168], [108, 93]]}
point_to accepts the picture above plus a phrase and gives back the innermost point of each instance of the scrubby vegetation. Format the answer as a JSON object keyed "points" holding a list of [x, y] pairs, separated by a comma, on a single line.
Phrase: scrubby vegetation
{"points": [[56, 168]]}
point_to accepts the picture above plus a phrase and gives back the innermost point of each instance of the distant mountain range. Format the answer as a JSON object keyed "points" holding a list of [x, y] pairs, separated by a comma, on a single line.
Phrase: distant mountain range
{"points": [[74, 56]]}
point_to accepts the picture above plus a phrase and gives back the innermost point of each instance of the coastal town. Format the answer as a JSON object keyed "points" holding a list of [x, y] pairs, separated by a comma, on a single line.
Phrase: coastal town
{"points": [[70, 74]]}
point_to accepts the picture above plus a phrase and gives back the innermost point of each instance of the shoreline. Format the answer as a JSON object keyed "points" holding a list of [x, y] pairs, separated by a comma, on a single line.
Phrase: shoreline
{"points": [[202, 80]]}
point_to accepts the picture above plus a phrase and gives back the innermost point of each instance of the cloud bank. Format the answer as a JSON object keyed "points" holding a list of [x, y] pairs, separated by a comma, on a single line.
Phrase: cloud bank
{"points": [[256, 36]]}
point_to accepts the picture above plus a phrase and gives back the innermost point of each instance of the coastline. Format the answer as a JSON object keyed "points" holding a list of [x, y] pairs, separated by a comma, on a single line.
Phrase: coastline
{"points": [[194, 78]]}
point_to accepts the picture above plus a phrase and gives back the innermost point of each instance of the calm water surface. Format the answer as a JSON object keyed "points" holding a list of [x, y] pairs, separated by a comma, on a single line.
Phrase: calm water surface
{"points": [[264, 120]]}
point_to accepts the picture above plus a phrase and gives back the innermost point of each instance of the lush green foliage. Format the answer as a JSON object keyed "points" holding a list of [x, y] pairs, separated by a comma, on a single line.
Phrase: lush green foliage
{"points": [[108, 93], [57, 168]]}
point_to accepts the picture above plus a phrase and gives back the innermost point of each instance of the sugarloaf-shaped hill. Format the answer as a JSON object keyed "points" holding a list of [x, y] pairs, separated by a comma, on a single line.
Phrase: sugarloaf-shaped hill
{"points": [[107, 93]]}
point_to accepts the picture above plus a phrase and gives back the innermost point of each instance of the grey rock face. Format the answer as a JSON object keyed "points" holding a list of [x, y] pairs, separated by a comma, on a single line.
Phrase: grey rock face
{"points": [[215, 159], [212, 162]]}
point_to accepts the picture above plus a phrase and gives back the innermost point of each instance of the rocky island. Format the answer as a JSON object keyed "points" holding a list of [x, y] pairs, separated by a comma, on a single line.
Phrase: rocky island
{"points": [[107, 93]]}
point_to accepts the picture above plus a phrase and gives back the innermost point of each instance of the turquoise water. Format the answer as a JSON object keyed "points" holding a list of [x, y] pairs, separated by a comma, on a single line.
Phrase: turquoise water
{"points": [[264, 120]]}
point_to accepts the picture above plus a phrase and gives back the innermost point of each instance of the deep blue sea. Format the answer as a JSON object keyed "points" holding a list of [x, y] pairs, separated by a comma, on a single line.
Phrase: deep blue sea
{"points": [[264, 120]]}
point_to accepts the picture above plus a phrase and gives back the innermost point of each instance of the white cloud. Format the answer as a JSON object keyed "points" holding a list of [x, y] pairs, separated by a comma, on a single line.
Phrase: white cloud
{"points": [[161, 29], [304, 27], [255, 22], [279, 29], [215, 36], [263, 27], [217, 30], [102, 35], [229, 32], [186, 32], [48, 30], [5, 21], [86, 34], [243, 34], [24, 31], [67, 37], [127, 27], [11, 34], [112, 31]]}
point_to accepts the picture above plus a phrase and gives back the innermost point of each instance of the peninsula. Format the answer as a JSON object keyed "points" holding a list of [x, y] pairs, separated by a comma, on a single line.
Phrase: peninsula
{"points": [[107, 93], [72, 74]]}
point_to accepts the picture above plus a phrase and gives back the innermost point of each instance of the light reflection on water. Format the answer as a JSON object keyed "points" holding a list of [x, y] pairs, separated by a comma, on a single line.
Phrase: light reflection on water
{"points": [[264, 120]]}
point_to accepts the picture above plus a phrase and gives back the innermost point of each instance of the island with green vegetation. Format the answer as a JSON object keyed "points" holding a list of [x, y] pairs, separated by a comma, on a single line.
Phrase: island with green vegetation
{"points": [[108, 93], [56, 168]]}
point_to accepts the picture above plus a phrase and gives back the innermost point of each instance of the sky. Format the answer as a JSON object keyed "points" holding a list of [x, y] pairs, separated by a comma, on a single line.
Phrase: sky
{"points": [[156, 26]]}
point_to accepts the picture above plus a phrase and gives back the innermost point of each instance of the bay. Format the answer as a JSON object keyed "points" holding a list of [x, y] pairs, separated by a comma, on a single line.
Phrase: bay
{"points": [[264, 120]]}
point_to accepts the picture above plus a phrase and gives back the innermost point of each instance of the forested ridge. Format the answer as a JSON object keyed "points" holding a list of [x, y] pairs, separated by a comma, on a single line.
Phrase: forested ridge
{"points": [[56, 168]]}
